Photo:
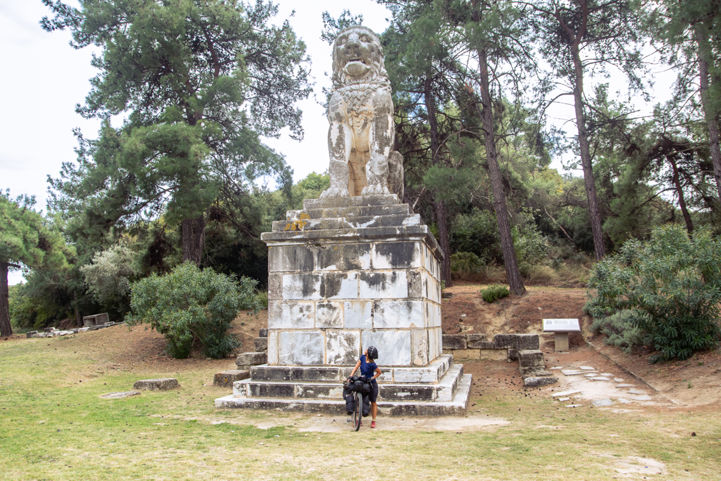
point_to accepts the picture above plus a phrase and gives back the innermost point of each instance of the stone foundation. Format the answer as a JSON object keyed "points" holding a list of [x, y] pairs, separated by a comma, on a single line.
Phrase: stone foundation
{"points": [[345, 274]]}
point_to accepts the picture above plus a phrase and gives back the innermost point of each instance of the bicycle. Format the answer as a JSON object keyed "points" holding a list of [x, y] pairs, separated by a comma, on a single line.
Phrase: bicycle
{"points": [[359, 386]]}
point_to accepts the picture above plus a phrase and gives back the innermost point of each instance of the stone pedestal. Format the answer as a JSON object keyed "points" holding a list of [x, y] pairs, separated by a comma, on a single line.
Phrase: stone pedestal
{"points": [[345, 274]]}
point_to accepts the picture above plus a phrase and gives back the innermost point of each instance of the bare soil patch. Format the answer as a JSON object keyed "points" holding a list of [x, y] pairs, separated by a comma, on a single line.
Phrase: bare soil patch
{"points": [[692, 383]]}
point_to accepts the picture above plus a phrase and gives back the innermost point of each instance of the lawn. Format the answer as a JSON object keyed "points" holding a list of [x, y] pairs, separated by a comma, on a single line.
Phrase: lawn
{"points": [[56, 427]]}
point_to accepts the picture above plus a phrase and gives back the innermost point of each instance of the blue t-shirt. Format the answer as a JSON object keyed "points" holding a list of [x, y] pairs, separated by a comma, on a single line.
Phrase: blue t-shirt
{"points": [[368, 369]]}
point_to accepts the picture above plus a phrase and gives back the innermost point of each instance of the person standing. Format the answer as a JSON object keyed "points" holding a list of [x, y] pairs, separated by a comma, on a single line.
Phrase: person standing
{"points": [[370, 371]]}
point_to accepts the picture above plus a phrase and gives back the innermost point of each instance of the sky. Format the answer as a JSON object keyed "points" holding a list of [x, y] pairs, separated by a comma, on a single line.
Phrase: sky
{"points": [[45, 78]]}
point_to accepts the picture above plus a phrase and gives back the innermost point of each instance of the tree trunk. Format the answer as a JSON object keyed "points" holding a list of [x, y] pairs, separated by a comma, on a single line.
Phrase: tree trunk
{"points": [[712, 123], [593, 211], [440, 206], [681, 199], [193, 237], [6, 328], [513, 275]]}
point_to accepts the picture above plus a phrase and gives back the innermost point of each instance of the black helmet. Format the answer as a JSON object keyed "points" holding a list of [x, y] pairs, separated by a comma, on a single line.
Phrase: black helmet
{"points": [[372, 353]]}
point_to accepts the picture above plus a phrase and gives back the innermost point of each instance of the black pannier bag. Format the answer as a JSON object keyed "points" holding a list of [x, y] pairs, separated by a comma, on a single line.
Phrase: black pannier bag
{"points": [[348, 397], [366, 405]]}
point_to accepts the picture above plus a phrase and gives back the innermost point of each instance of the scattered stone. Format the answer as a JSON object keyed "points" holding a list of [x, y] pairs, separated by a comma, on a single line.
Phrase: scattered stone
{"points": [[637, 391], [587, 368], [119, 395], [602, 403], [590, 374], [556, 368], [574, 405], [96, 320], [227, 378], [644, 397], [572, 372], [565, 393], [563, 399], [599, 378], [161, 384], [618, 379], [606, 374], [623, 400], [535, 381]]}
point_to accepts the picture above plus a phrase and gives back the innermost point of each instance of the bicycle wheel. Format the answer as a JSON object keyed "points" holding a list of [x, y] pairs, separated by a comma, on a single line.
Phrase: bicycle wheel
{"points": [[357, 413]]}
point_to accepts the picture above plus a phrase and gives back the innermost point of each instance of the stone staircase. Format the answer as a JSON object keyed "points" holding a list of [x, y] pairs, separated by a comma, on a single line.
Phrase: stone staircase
{"points": [[440, 388], [245, 361]]}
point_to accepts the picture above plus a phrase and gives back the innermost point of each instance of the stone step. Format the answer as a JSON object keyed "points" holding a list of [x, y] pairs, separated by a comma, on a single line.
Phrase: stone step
{"points": [[347, 222], [348, 211], [441, 391], [356, 201], [247, 359], [261, 344], [351, 234], [227, 378], [431, 373], [455, 406]]}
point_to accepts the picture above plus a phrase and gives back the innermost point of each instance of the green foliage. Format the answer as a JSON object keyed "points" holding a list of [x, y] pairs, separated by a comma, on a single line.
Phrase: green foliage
{"points": [[493, 293], [477, 232], [109, 275], [29, 241], [669, 288], [530, 244], [466, 264], [198, 84], [621, 330], [190, 307]]}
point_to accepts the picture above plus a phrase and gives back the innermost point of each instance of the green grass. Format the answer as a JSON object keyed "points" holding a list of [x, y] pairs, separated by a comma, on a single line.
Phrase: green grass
{"points": [[54, 426]]}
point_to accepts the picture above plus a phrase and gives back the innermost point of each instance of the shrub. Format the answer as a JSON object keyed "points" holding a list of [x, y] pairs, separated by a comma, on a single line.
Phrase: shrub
{"points": [[190, 307], [669, 288], [621, 330], [493, 293], [466, 264], [109, 275]]}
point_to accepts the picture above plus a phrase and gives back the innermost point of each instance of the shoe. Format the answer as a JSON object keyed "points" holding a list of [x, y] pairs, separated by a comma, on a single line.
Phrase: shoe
{"points": [[373, 424]]}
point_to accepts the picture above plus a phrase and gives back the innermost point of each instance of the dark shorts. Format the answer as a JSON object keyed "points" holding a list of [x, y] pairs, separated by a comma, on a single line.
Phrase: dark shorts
{"points": [[373, 395]]}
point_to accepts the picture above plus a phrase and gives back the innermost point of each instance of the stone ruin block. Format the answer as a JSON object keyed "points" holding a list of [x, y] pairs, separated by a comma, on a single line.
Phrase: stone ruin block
{"points": [[454, 341], [96, 319], [161, 384], [227, 378]]}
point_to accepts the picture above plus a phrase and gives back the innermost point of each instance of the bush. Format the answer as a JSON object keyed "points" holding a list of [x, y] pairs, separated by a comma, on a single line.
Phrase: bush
{"points": [[621, 330], [669, 288], [191, 307], [466, 265], [109, 275], [493, 293]]}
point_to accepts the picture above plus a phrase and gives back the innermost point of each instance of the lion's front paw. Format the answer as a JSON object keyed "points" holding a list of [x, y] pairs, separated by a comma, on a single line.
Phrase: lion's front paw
{"points": [[375, 189], [333, 192]]}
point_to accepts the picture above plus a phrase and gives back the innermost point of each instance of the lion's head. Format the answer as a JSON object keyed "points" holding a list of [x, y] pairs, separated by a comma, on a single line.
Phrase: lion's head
{"points": [[358, 58]]}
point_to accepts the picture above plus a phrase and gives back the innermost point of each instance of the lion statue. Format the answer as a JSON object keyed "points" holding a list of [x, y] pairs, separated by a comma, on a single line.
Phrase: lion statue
{"points": [[360, 112]]}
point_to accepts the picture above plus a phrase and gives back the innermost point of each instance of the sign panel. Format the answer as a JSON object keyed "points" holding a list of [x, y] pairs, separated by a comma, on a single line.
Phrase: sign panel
{"points": [[561, 325]]}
